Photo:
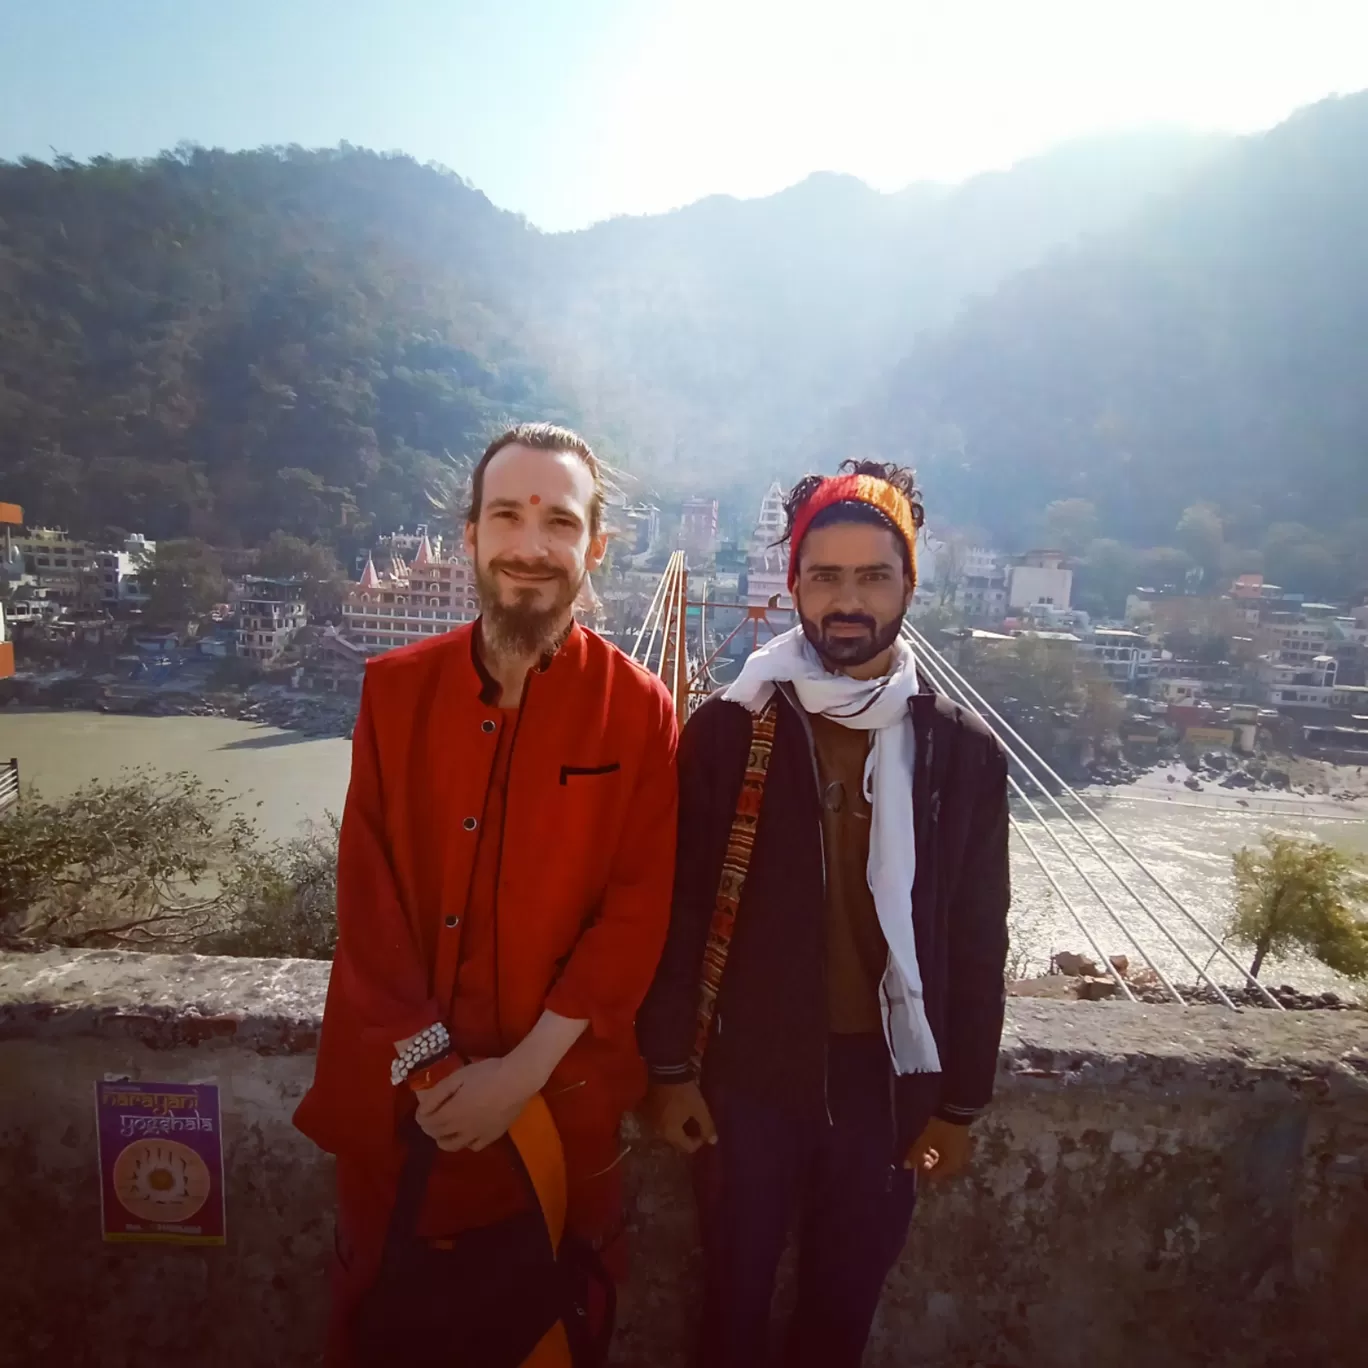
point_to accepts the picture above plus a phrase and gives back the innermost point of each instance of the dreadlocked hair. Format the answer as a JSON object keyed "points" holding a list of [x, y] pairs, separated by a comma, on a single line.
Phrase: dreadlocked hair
{"points": [[899, 477]]}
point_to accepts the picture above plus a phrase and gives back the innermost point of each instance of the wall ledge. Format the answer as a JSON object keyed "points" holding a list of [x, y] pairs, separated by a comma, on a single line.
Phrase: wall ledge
{"points": [[270, 1006], [273, 1006]]}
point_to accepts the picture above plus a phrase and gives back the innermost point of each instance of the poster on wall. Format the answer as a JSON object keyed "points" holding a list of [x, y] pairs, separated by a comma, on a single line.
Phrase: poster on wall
{"points": [[161, 1162]]}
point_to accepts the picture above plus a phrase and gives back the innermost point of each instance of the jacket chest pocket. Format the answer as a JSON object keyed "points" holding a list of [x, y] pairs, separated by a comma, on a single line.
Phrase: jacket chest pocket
{"points": [[587, 800], [576, 775], [574, 822]]}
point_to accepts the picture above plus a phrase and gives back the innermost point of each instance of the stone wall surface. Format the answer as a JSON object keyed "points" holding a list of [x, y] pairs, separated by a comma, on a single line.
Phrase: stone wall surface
{"points": [[1153, 1186]]}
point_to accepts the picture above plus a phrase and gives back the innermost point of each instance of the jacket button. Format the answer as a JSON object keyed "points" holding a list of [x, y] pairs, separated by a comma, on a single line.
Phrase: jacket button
{"points": [[486, 726], [469, 824], [452, 921]]}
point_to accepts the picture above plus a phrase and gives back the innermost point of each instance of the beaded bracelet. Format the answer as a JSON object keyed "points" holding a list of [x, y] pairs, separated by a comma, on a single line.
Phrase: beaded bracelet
{"points": [[428, 1045]]}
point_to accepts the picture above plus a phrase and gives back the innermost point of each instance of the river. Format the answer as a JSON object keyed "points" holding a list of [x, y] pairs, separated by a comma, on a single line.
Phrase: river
{"points": [[282, 779]]}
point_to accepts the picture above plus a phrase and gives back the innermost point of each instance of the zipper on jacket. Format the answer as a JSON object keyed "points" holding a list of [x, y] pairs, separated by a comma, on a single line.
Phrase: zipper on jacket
{"points": [[821, 846], [898, 1159], [932, 793]]}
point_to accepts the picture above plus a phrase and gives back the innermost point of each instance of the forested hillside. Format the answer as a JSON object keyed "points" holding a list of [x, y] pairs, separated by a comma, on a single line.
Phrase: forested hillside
{"points": [[231, 344], [719, 336], [1214, 353], [1161, 339]]}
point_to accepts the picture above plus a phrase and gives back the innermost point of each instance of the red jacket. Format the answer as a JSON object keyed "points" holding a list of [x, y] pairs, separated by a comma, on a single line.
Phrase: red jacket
{"points": [[583, 892]]}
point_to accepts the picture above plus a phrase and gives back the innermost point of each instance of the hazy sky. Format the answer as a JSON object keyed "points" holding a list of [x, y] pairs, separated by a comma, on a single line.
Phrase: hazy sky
{"points": [[572, 110]]}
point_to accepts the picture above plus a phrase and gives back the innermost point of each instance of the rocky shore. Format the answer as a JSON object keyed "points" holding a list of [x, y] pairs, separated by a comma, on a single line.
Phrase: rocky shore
{"points": [[1222, 774], [270, 705], [1079, 978]]}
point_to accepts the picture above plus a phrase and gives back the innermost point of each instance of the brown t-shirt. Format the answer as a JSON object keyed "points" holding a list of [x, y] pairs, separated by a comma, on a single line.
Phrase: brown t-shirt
{"points": [[856, 952]]}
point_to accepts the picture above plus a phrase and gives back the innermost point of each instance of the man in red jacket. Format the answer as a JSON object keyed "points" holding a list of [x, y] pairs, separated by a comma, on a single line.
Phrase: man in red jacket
{"points": [[504, 872]]}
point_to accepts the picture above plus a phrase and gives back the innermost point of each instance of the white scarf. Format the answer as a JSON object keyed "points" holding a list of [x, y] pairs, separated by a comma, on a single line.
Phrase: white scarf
{"points": [[880, 706]]}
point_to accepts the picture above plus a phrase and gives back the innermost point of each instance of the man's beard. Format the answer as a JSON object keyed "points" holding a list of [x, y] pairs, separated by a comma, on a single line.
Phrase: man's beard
{"points": [[522, 629], [842, 651]]}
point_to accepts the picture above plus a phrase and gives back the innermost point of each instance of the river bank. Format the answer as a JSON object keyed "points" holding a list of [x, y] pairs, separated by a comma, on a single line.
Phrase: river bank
{"points": [[186, 694], [1262, 784], [283, 779], [1316, 789]]}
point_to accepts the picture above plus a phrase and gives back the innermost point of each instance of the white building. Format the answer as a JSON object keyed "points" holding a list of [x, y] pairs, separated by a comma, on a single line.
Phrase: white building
{"points": [[35, 606], [55, 561], [1178, 690], [982, 592], [120, 571], [1296, 640], [270, 612], [1313, 686], [1039, 578], [766, 563], [50, 553], [637, 524], [769, 526], [767, 579], [1124, 656]]}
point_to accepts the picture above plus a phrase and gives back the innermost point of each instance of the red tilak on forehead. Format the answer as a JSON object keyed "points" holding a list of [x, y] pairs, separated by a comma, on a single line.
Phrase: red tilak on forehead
{"points": [[535, 499]]}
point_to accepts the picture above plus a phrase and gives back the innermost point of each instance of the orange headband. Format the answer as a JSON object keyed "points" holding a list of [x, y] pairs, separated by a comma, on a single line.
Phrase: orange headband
{"points": [[865, 489]]}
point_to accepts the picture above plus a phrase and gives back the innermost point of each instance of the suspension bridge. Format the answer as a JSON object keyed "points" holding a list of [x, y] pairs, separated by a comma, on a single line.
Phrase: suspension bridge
{"points": [[1103, 883]]}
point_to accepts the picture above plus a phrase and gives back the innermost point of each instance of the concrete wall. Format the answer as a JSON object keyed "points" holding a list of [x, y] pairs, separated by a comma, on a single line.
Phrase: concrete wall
{"points": [[1154, 1186]]}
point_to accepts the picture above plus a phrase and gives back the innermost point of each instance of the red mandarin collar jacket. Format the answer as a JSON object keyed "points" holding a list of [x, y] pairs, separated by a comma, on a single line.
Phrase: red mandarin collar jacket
{"points": [[585, 872]]}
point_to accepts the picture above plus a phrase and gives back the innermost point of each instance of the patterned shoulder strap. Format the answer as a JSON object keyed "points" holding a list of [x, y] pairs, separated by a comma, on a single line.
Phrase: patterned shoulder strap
{"points": [[735, 865]]}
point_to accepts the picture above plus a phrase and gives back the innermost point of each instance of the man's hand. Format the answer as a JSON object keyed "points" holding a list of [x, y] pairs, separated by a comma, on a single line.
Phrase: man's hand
{"points": [[473, 1106], [680, 1116], [940, 1151]]}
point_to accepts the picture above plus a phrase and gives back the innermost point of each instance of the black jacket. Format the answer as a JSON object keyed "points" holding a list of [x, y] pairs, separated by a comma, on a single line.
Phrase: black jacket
{"points": [[769, 1033]]}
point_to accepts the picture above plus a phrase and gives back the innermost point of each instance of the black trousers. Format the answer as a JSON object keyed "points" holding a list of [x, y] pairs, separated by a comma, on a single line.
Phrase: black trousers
{"points": [[842, 1185]]}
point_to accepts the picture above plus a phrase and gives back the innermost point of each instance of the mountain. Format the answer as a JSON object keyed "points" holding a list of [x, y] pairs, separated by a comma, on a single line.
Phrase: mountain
{"points": [[716, 337], [230, 344], [1212, 351], [233, 344]]}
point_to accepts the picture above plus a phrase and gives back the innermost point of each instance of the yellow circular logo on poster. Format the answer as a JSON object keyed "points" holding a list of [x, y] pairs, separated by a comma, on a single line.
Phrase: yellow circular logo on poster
{"points": [[161, 1180]]}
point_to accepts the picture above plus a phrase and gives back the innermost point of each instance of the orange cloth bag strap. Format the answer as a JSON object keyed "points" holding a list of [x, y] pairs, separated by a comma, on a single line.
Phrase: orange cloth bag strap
{"points": [[536, 1142], [735, 867], [538, 1145], [536, 1151]]}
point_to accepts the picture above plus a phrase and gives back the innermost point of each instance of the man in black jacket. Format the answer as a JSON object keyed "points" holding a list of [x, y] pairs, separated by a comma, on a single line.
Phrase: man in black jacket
{"points": [[825, 1020]]}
